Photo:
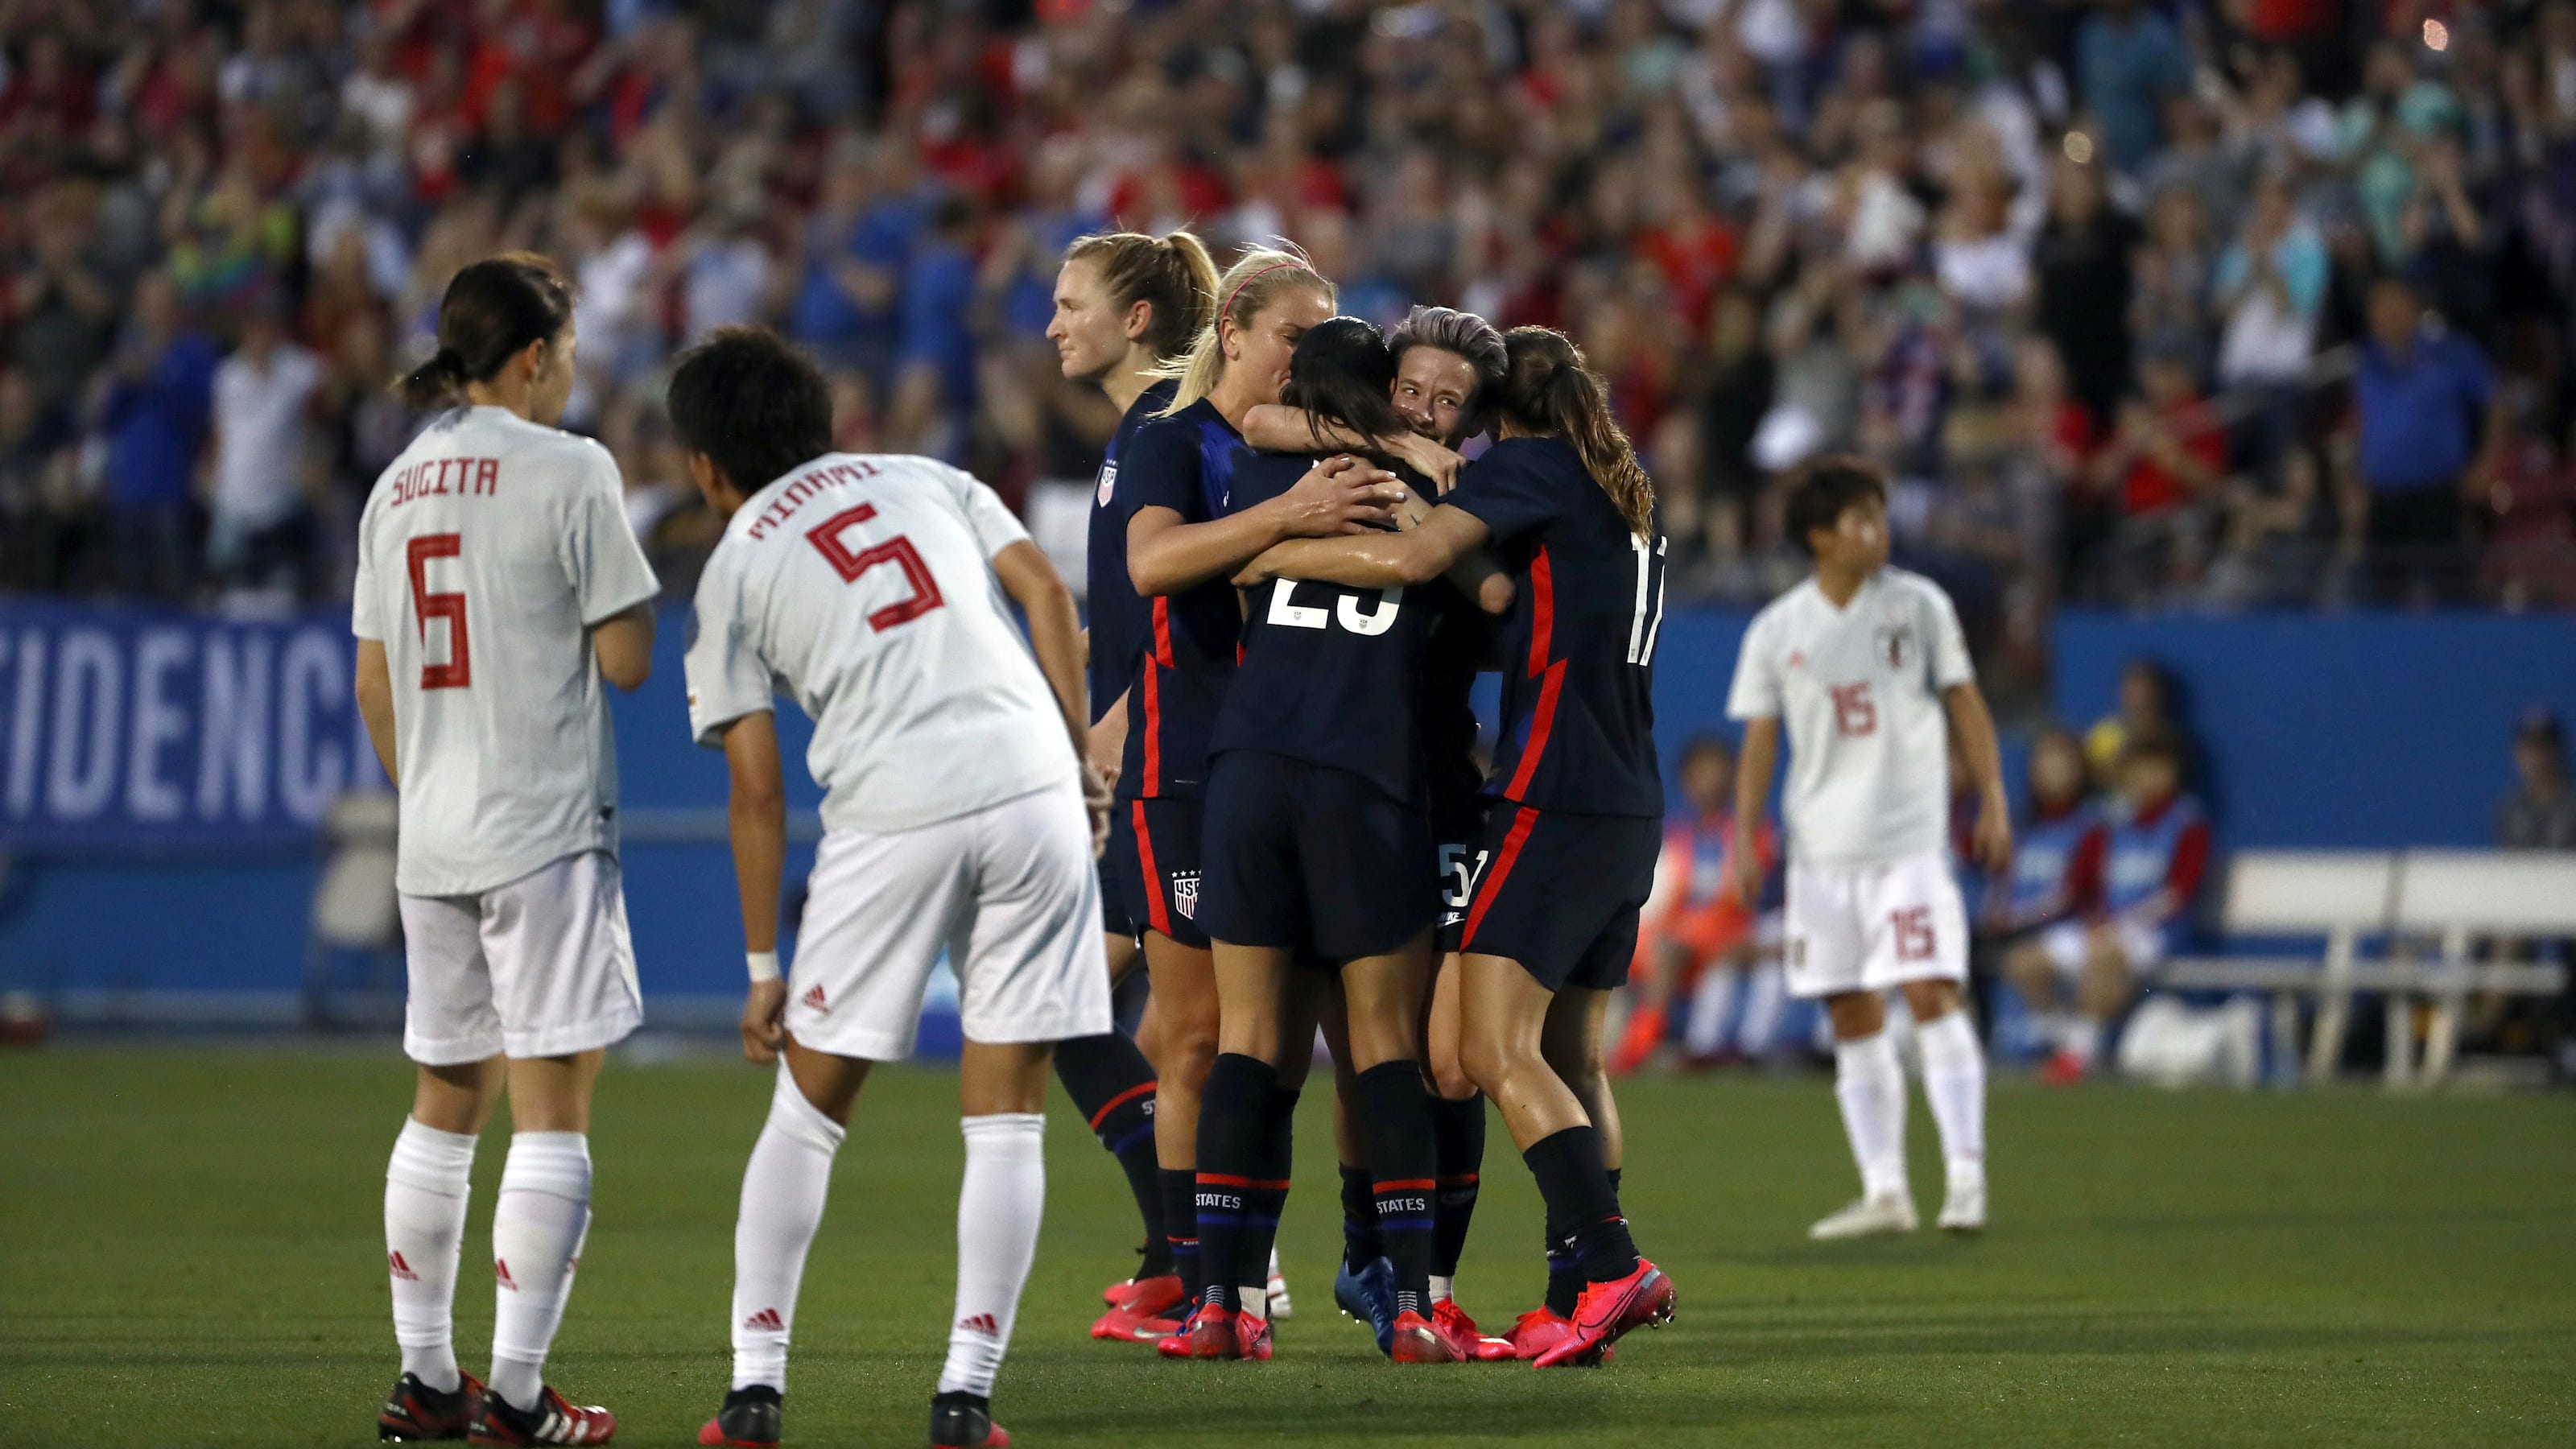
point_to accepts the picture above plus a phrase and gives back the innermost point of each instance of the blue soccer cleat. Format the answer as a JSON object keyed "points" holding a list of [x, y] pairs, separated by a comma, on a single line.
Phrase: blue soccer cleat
{"points": [[1368, 1296]]}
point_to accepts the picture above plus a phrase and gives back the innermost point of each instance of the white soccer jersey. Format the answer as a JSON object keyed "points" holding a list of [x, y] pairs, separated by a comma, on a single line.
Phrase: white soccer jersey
{"points": [[863, 587], [486, 551], [1858, 693]]}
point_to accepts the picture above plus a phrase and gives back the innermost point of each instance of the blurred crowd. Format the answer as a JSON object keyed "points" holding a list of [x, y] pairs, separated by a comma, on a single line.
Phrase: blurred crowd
{"points": [[2259, 303]]}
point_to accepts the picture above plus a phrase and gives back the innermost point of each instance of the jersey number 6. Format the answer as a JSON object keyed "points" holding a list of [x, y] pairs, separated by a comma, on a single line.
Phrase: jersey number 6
{"points": [[826, 538], [458, 671]]}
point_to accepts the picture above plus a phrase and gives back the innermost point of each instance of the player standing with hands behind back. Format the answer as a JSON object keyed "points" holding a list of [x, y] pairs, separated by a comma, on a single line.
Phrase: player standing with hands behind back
{"points": [[1863, 661], [498, 584]]}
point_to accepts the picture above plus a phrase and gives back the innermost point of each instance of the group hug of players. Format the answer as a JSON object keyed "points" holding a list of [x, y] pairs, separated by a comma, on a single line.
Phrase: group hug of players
{"points": [[1257, 775]]}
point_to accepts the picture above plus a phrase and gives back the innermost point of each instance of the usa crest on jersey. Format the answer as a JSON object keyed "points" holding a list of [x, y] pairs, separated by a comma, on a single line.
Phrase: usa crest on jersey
{"points": [[1108, 482], [1185, 893]]}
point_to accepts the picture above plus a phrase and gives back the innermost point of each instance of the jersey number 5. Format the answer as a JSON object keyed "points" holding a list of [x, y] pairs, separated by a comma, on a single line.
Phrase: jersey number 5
{"points": [[1855, 713], [826, 538], [458, 671]]}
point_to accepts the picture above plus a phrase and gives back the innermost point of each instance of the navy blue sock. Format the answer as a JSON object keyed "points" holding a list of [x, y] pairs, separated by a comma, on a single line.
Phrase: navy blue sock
{"points": [[1233, 1113], [1582, 1207], [1181, 1226], [1112, 1085], [1360, 1245], [1267, 1195], [1458, 1145], [1395, 1117]]}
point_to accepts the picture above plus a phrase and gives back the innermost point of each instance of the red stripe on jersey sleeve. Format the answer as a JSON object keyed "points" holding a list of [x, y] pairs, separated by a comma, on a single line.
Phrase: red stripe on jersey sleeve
{"points": [[1542, 720], [1155, 915], [1499, 871], [1542, 612]]}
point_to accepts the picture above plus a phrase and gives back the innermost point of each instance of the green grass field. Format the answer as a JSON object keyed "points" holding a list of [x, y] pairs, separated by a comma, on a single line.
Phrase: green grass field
{"points": [[190, 1255]]}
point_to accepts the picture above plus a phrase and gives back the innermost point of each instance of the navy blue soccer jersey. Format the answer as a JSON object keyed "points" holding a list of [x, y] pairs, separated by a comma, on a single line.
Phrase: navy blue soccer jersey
{"points": [[1186, 641], [1331, 675], [1115, 613], [1578, 647]]}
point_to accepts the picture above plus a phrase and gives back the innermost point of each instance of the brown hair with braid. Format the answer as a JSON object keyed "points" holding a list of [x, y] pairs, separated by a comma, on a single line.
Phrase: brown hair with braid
{"points": [[1549, 390], [1171, 272]]}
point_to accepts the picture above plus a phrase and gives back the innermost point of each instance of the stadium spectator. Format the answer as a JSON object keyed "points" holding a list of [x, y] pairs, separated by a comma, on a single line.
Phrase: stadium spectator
{"points": [[2270, 287], [2167, 454], [2129, 64], [263, 536], [154, 405], [1697, 943], [2540, 814], [2056, 876], [2146, 707], [2428, 434]]}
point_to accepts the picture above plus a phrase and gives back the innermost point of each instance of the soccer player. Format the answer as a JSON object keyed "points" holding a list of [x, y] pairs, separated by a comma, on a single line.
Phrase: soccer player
{"points": [[872, 589], [1447, 364], [1316, 844], [498, 586], [1699, 942], [1124, 305], [1182, 544], [1862, 662], [2155, 852], [1568, 854]]}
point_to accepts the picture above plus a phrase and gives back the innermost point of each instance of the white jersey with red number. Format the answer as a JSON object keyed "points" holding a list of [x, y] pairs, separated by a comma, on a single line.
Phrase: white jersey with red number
{"points": [[486, 552], [863, 587], [1858, 693]]}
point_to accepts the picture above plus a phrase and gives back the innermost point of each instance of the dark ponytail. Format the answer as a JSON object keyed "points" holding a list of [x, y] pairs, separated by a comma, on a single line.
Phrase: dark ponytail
{"points": [[492, 311], [1550, 391]]}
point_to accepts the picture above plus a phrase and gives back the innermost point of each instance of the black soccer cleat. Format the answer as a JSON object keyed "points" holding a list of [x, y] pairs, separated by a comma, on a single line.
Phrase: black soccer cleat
{"points": [[748, 1420], [552, 1421], [415, 1413], [960, 1420]]}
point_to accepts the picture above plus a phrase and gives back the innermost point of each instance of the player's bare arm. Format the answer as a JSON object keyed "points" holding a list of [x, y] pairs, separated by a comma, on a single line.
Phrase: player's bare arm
{"points": [[624, 644], [376, 705], [756, 817], [1283, 429], [1375, 559], [1753, 769], [1055, 634], [1106, 742], [1339, 495], [1975, 728]]}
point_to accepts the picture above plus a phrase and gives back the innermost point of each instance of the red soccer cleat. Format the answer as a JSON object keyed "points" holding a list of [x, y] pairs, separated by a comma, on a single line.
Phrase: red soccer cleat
{"points": [[2064, 1069], [1607, 1310], [1210, 1333], [1453, 1325], [1252, 1337], [414, 1412], [1143, 1311], [1537, 1331], [552, 1421], [1416, 1341]]}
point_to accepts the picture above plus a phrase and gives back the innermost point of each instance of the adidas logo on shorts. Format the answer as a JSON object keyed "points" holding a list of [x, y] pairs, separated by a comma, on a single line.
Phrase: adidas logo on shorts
{"points": [[814, 1000], [1185, 893]]}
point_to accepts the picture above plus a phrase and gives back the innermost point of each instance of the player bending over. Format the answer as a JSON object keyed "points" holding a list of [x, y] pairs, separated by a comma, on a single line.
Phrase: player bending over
{"points": [[498, 585], [1124, 305], [1863, 661], [954, 818], [1568, 854]]}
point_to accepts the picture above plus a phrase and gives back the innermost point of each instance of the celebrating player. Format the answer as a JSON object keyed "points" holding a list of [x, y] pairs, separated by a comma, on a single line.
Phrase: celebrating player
{"points": [[1173, 477], [1568, 854], [1124, 304], [954, 817], [1316, 843], [1447, 364], [498, 585], [1862, 661]]}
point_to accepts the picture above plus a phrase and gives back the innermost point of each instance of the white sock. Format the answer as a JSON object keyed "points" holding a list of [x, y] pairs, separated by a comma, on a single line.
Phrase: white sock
{"points": [[1954, 1082], [1870, 1085], [2083, 1038], [1709, 1008], [1443, 1289], [1764, 995], [1254, 1300], [998, 1207], [426, 1187], [783, 1188], [537, 1229]]}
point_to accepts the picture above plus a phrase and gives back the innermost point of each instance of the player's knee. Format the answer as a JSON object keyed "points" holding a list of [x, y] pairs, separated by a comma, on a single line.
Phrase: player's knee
{"points": [[1485, 1060], [1856, 1014], [1931, 1000], [1447, 1069]]}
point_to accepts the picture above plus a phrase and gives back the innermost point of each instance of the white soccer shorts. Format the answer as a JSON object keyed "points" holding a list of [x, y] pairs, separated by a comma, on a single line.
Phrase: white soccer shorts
{"points": [[1870, 927], [1011, 892], [2141, 945], [541, 967]]}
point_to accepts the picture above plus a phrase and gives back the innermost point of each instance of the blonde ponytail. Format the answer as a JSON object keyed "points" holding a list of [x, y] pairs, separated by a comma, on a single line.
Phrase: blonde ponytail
{"points": [[1172, 273]]}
